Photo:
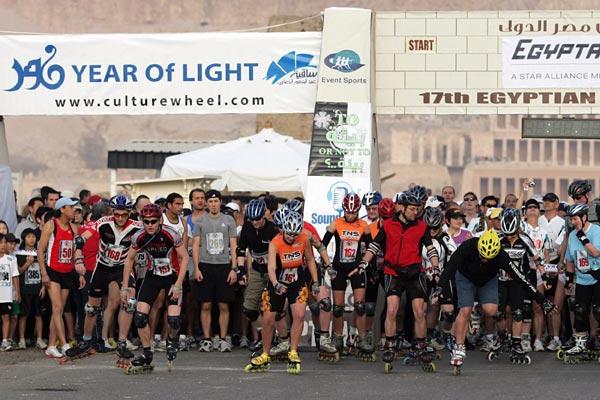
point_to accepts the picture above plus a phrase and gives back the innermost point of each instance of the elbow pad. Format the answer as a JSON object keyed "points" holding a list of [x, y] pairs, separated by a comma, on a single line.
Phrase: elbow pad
{"points": [[375, 248], [240, 252], [79, 242], [432, 252], [321, 248]]}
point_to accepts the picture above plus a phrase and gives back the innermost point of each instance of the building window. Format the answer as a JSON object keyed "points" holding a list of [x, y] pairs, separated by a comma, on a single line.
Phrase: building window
{"points": [[484, 186], [535, 150], [498, 150], [496, 187], [523, 150], [414, 156], [501, 121], [514, 121], [510, 185], [548, 150], [573, 152], [564, 187], [560, 152], [510, 150], [550, 185], [585, 152]]}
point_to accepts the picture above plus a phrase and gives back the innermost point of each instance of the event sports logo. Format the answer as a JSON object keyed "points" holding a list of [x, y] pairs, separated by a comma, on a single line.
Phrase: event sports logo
{"points": [[295, 67], [39, 73], [344, 61]]}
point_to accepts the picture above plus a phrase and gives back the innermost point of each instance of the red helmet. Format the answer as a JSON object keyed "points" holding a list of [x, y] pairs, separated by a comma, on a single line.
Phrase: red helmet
{"points": [[351, 203], [387, 208], [151, 210]]}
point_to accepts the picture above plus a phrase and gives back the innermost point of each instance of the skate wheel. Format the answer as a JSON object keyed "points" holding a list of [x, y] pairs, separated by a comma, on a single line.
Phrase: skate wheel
{"points": [[456, 370], [406, 361], [438, 356], [128, 370], [593, 355], [320, 357], [527, 360], [388, 368], [373, 357], [491, 356], [560, 354], [169, 366]]}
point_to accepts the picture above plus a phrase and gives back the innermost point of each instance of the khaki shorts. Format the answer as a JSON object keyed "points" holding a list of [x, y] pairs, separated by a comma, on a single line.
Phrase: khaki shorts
{"points": [[253, 293]]}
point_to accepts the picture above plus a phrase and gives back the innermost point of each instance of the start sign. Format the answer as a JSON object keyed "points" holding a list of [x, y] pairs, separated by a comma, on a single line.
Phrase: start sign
{"points": [[420, 44]]}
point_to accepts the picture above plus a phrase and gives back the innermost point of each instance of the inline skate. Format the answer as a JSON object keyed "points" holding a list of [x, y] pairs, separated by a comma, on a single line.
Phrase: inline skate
{"points": [[141, 364], [82, 350], [327, 351], [261, 363]]}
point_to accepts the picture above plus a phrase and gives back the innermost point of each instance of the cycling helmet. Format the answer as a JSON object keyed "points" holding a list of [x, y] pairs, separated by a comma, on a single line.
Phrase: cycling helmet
{"points": [[433, 217], [577, 210], [510, 221], [351, 203], [407, 199], [279, 216], [151, 210], [256, 209], [294, 205], [579, 188], [371, 199], [488, 244], [420, 192], [121, 202], [293, 223], [387, 208]]}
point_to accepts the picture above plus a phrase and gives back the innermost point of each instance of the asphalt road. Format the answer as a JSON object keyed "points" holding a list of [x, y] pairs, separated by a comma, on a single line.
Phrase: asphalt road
{"points": [[220, 376]]}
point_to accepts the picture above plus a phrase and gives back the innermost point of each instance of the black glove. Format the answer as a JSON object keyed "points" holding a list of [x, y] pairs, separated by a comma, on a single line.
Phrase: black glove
{"points": [[581, 235], [569, 279], [241, 272], [331, 271], [316, 288], [548, 306], [546, 278]]}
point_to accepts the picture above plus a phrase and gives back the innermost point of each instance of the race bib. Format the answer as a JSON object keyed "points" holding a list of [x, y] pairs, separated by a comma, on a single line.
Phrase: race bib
{"points": [[288, 275], [113, 254], [551, 268], [65, 251], [349, 251], [5, 275], [162, 266], [33, 275], [215, 245], [581, 262], [260, 258]]}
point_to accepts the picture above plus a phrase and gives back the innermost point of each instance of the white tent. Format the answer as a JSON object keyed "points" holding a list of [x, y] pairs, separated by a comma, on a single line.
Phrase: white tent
{"points": [[266, 161]]}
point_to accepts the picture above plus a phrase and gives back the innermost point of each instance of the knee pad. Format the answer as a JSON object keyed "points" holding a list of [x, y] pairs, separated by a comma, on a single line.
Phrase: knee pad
{"points": [[90, 310], [499, 316], [280, 316], [370, 309], [571, 303], [448, 316], [581, 312], [359, 308], [315, 308], [326, 304], [130, 307], [517, 314], [174, 322], [338, 311], [527, 311], [140, 319], [596, 311], [252, 315]]}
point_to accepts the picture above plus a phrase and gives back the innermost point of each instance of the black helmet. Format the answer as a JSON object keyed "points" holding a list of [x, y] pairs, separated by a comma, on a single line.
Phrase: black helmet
{"points": [[420, 192], [577, 210], [433, 217], [579, 188]]}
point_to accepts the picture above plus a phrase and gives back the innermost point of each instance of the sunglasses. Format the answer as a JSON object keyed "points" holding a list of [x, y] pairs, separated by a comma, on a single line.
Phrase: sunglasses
{"points": [[469, 199], [291, 234], [491, 205], [149, 221], [537, 208], [578, 197], [255, 219]]}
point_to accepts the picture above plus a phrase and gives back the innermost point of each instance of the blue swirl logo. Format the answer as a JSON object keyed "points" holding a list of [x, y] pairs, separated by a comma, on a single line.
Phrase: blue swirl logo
{"points": [[344, 61], [51, 77]]}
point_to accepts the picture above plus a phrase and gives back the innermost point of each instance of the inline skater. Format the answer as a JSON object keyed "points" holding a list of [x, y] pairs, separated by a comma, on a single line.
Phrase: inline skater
{"points": [[475, 265], [583, 264], [400, 240], [166, 258], [349, 231], [371, 201], [114, 235], [287, 280]]}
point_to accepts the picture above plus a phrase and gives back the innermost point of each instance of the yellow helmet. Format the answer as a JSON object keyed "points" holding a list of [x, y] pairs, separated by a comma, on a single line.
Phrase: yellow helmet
{"points": [[489, 244]]}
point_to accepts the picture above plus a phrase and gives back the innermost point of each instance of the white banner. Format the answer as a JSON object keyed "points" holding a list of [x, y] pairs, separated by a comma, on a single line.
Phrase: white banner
{"points": [[551, 62], [159, 73]]}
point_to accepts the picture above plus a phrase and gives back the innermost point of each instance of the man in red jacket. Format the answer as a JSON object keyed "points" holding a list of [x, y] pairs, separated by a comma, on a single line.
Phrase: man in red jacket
{"points": [[401, 239]]}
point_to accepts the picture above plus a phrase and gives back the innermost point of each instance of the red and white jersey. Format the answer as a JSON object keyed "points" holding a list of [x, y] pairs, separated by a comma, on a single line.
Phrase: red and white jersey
{"points": [[114, 244]]}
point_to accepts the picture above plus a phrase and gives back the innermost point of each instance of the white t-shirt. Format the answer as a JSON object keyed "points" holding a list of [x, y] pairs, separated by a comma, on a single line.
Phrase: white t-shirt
{"points": [[8, 270], [556, 232]]}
